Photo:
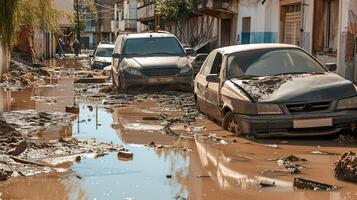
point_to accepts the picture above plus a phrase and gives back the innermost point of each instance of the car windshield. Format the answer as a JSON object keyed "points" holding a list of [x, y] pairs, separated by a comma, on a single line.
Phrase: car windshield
{"points": [[270, 62], [153, 46], [104, 52]]}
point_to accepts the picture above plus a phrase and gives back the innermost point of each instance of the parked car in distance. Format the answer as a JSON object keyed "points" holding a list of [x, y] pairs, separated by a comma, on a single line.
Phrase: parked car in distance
{"points": [[274, 90], [198, 62], [102, 56], [147, 59]]}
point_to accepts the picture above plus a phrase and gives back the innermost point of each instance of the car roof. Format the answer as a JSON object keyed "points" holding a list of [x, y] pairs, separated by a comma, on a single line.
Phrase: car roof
{"points": [[106, 46], [149, 35], [247, 47]]}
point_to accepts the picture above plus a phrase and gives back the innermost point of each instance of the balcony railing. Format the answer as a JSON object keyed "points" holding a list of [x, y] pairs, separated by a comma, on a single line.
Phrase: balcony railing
{"points": [[213, 6], [146, 11]]}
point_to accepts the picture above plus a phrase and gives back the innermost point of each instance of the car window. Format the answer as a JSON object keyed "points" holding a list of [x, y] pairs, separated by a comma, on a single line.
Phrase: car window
{"points": [[207, 65], [270, 62], [153, 46], [217, 63], [104, 52]]}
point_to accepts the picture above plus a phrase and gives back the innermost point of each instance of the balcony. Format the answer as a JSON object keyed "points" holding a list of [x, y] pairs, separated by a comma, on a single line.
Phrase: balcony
{"points": [[146, 11], [215, 7], [126, 25]]}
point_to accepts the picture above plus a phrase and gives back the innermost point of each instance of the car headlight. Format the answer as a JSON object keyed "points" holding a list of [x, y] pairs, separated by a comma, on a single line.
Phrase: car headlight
{"points": [[269, 109], [98, 63], [185, 69], [133, 71], [349, 103]]}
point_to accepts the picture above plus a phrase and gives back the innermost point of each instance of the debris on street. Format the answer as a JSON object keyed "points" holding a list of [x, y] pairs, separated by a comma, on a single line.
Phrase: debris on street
{"points": [[305, 184], [346, 167], [21, 74], [125, 154]]}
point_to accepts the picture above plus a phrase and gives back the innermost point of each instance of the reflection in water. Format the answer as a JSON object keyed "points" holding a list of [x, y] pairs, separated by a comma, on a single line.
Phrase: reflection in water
{"points": [[208, 172], [227, 173]]}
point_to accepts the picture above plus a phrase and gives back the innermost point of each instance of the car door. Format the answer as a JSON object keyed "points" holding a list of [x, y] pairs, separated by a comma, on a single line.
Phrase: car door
{"points": [[212, 89], [201, 84]]}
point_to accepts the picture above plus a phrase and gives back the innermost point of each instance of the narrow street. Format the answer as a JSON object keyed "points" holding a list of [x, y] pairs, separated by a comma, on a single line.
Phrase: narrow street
{"points": [[177, 152]]}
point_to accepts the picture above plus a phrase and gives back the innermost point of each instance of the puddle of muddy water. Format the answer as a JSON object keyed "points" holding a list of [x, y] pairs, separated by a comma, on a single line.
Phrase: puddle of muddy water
{"points": [[207, 170]]}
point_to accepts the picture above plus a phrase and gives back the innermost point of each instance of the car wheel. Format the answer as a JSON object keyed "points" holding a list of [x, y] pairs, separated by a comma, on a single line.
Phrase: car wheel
{"points": [[230, 123]]}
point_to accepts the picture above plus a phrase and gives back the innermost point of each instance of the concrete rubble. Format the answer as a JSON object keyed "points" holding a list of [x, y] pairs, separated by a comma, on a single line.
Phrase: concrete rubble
{"points": [[346, 167]]}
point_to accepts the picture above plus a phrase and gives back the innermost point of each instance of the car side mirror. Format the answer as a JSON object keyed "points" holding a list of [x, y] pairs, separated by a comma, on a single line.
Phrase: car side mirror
{"points": [[190, 52], [116, 55], [214, 78], [331, 66], [91, 56]]}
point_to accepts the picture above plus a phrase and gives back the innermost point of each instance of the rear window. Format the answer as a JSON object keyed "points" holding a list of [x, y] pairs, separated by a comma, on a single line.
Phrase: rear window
{"points": [[153, 46], [104, 52]]}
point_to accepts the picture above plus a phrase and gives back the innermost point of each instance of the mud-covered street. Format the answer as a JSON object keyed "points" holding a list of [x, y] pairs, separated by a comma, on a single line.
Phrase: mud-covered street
{"points": [[73, 137]]}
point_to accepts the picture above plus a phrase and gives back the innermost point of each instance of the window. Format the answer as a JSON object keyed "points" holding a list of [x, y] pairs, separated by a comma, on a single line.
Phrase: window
{"points": [[104, 52], [216, 67], [207, 65], [270, 62]]}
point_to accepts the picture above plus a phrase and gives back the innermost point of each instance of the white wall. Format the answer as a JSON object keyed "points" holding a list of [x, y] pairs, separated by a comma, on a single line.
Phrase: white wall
{"points": [[264, 25]]}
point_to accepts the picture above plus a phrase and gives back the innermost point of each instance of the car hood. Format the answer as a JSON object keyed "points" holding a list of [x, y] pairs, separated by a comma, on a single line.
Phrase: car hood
{"points": [[103, 59], [161, 62], [297, 88]]}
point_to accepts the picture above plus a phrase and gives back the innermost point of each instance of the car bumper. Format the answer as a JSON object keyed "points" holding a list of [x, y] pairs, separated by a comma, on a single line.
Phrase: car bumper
{"points": [[179, 81], [100, 66], [286, 125]]}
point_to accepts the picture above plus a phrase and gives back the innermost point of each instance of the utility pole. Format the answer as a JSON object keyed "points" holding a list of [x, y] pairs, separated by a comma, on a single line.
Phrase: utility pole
{"points": [[78, 27]]}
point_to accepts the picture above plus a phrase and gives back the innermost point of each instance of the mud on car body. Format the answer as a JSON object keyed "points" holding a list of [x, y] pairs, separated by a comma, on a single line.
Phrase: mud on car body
{"points": [[274, 90], [150, 59]]}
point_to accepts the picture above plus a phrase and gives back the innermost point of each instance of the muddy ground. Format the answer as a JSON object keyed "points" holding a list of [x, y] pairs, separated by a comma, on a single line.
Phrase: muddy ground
{"points": [[176, 152]]}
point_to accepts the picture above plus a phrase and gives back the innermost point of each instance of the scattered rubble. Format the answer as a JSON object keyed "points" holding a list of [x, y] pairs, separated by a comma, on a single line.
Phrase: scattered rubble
{"points": [[325, 153], [21, 74], [30, 121], [125, 154], [346, 167], [305, 184], [21, 154], [215, 138], [267, 184]]}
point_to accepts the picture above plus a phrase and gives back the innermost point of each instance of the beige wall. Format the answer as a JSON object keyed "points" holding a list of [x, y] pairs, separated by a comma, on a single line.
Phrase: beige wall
{"points": [[66, 6]]}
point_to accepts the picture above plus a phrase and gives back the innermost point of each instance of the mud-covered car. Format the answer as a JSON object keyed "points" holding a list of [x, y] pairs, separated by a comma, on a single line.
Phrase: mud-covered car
{"points": [[102, 56], [147, 59], [274, 90]]}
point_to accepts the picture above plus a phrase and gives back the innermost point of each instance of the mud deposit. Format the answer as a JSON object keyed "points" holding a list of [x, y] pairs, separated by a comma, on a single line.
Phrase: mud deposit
{"points": [[146, 145]]}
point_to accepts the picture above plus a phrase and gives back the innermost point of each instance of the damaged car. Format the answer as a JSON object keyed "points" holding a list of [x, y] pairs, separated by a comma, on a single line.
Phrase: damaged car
{"points": [[267, 90], [147, 59], [102, 56]]}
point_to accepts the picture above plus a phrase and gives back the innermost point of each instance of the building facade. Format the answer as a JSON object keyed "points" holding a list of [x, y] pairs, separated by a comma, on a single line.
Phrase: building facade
{"points": [[212, 25], [320, 27]]}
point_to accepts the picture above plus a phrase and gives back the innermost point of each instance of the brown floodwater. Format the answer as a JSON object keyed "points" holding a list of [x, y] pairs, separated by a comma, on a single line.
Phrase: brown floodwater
{"points": [[190, 168]]}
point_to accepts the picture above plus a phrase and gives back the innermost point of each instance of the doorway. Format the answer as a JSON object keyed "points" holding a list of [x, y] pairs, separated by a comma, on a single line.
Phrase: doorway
{"points": [[226, 25], [246, 30]]}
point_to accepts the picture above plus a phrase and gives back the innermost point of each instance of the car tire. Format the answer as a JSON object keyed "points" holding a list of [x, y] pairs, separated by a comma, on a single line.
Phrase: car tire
{"points": [[230, 123]]}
